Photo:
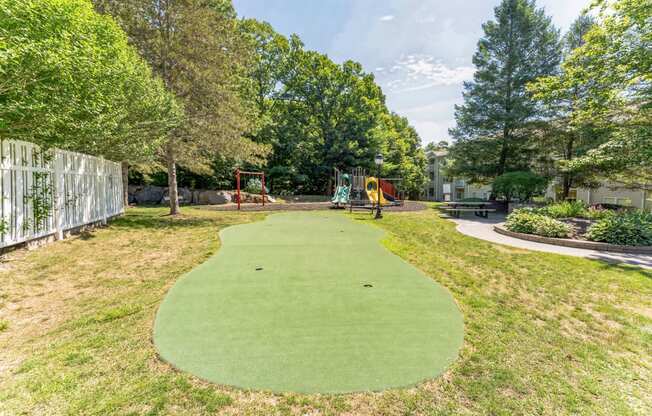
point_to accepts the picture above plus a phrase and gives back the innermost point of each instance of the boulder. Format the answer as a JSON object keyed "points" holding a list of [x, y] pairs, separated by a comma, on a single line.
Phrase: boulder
{"points": [[149, 195], [213, 198]]}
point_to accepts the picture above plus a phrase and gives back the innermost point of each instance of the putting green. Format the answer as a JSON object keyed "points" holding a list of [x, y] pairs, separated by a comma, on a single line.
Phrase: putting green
{"points": [[308, 302]]}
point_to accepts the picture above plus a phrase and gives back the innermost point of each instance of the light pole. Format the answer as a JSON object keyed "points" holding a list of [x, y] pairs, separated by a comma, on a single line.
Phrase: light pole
{"points": [[378, 160]]}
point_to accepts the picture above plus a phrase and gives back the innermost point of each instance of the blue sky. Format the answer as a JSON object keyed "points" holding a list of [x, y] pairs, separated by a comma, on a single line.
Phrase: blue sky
{"points": [[419, 50]]}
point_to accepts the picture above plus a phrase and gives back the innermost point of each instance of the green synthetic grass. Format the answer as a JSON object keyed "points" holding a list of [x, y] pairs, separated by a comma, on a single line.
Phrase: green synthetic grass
{"points": [[308, 302]]}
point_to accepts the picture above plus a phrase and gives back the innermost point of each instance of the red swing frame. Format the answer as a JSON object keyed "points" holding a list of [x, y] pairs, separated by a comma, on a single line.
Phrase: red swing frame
{"points": [[238, 173]]}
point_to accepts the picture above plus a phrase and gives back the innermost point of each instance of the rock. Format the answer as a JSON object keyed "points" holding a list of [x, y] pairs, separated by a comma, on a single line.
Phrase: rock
{"points": [[212, 198], [149, 195], [227, 195]]}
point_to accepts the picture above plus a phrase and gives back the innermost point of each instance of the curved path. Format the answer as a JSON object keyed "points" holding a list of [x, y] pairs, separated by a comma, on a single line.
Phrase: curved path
{"points": [[482, 229], [308, 302]]}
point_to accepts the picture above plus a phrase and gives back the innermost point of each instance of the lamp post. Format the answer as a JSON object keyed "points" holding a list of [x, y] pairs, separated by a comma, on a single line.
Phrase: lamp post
{"points": [[378, 160]]}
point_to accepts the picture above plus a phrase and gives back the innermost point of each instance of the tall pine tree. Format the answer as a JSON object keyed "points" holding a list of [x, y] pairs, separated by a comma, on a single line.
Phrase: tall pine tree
{"points": [[519, 46]]}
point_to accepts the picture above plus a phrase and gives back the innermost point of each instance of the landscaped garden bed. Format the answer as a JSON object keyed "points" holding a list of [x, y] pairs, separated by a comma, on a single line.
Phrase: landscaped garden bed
{"points": [[574, 224]]}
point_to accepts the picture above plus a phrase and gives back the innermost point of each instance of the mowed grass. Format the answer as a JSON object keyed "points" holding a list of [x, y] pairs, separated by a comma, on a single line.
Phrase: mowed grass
{"points": [[545, 334]]}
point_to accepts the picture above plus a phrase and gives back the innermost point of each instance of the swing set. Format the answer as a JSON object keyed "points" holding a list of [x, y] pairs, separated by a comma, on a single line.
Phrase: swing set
{"points": [[238, 175]]}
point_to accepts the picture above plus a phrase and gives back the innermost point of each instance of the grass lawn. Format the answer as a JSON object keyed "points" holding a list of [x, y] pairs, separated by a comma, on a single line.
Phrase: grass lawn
{"points": [[545, 334]]}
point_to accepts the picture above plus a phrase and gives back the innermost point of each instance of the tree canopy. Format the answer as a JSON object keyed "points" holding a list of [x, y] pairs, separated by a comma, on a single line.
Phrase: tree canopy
{"points": [[585, 121], [559, 136], [318, 115], [615, 67], [69, 79], [196, 47]]}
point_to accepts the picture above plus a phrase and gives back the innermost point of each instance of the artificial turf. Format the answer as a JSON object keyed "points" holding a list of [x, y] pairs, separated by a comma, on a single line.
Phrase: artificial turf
{"points": [[308, 302]]}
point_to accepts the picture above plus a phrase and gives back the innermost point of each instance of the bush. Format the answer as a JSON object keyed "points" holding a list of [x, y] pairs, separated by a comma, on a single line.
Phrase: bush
{"points": [[566, 209], [254, 186], [521, 185], [530, 222], [598, 213], [630, 229]]}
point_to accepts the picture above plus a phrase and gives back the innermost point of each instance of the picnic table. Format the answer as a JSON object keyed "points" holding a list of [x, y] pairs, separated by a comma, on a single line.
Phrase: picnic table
{"points": [[479, 208]]}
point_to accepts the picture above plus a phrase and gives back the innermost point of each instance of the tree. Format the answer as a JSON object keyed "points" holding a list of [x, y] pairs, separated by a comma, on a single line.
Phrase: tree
{"points": [[196, 47], [434, 146], [404, 158], [521, 185], [518, 47], [615, 67], [561, 136], [70, 80]]}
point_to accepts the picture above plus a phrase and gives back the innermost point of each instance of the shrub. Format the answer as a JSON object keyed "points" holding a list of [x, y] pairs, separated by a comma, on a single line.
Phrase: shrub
{"points": [[631, 229], [566, 209], [521, 185], [254, 186], [598, 213], [530, 222]]}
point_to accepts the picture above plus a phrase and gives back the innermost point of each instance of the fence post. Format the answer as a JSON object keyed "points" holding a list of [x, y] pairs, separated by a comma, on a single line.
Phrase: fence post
{"points": [[59, 196], [104, 183]]}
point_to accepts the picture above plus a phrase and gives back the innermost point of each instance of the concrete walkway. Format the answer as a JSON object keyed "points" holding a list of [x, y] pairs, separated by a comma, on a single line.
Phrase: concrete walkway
{"points": [[482, 228]]}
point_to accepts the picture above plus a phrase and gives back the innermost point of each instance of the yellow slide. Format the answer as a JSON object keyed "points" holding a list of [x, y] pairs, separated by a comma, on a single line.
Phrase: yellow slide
{"points": [[371, 185]]}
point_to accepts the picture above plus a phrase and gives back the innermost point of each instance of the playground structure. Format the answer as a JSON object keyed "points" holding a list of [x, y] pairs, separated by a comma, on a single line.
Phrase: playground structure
{"points": [[342, 189], [357, 190], [238, 175]]}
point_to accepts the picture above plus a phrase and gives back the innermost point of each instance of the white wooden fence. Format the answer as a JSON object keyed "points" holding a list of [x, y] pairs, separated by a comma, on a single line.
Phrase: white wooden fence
{"points": [[48, 192]]}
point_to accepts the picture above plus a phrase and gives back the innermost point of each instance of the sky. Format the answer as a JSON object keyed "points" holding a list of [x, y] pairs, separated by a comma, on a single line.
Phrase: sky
{"points": [[420, 51]]}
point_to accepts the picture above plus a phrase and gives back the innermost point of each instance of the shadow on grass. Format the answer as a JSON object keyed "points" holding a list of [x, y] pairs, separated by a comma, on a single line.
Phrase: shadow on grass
{"points": [[158, 218], [611, 264], [86, 235]]}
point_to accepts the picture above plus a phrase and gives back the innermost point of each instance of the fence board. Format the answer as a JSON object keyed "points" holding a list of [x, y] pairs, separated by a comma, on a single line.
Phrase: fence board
{"points": [[46, 193]]}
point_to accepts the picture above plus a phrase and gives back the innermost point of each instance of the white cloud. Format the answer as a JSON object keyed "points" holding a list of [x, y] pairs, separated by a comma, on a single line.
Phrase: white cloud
{"points": [[418, 72], [432, 131], [387, 18]]}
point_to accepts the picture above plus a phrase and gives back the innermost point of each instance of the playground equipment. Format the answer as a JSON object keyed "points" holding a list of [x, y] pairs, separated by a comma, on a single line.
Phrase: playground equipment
{"points": [[371, 185], [390, 190], [238, 175], [358, 190], [342, 190]]}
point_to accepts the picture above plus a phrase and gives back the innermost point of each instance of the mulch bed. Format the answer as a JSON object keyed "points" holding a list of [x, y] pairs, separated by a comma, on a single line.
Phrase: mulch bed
{"points": [[408, 206]]}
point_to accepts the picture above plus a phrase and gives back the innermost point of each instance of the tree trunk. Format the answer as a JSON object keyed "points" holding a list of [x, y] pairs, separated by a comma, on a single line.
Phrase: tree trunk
{"points": [[502, 162], [567, 185], [125, 183], [172, 179], [568, 177]]}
